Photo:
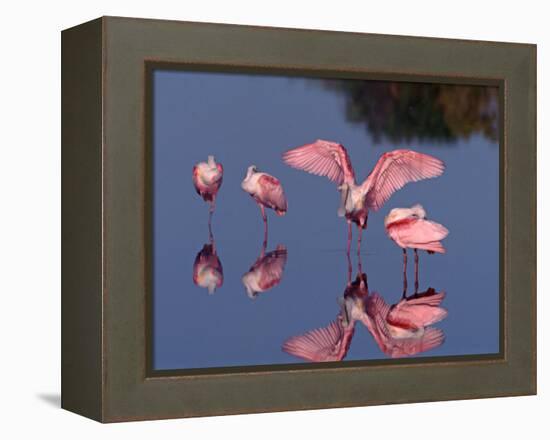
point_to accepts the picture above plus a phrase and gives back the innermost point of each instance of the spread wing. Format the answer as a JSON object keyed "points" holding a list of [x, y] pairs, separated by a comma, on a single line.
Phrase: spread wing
{"points": [[430, 298], [394, 170], [272, 193], [320, 345], [409, 346], [432, 338], [376, 306], [323, 158]]}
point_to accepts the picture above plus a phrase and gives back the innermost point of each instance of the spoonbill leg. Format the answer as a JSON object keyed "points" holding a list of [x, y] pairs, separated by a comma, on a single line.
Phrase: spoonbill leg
{"points": [[416, 271], [350, 270], [404, 272], [349, 237], [264, 217], [210, 213], [360, 234]]}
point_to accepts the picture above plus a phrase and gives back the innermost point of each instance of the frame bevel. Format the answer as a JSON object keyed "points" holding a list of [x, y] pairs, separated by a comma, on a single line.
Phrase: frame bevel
{"points": [[126, 390]]}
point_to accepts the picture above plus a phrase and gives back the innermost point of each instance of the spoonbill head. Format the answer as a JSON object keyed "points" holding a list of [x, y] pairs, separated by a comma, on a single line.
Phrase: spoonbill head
{"points": [[409, 228]]}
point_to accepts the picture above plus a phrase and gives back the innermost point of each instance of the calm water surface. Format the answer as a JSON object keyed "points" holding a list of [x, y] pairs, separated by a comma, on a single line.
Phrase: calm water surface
{"points": [[246, 119]]}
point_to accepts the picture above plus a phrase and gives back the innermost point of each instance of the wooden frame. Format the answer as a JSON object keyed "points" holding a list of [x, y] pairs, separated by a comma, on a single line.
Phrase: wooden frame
{"points": [[105, 239]]}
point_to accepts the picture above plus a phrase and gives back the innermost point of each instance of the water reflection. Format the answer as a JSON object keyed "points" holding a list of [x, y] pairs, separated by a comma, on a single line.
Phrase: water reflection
{"points": [[402, 111], [207, 268], [401, 329], [266, 272]]}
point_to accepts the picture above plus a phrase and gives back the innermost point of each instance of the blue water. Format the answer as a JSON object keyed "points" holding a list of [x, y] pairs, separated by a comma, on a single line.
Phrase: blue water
{"points": [[252, 119]]}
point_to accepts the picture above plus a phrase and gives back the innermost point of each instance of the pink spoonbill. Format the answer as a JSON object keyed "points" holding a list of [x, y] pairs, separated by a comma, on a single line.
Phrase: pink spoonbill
{"points": [[393, 170], [409, 228], [267, 191], [207, 179]]}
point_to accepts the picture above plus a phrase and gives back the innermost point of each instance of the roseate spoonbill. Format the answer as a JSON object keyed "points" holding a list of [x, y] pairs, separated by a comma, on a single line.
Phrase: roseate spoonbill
{"points": [[393, 170], [399, 340], [266, 273], [207, 268], [267, 191], [207, 178], [409, 228]]}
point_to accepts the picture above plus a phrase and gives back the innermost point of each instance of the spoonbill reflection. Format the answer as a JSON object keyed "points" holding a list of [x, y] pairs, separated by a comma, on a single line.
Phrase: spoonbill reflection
{"points": [[207, 179], [331, 343], [267, 191], [409, 228], [267, 272], [417, 311], [402, 329], [393, 170], [207, 268]]}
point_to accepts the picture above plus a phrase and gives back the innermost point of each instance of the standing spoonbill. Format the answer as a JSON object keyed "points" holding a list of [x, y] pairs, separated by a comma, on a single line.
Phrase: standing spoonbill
{"points": [[267, 191], [393, 170], [409, 228], [397, 340], [207, 178]]}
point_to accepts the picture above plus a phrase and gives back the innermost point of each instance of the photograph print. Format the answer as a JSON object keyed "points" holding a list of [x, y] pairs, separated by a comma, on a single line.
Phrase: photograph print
{"points": [[301, 220]]}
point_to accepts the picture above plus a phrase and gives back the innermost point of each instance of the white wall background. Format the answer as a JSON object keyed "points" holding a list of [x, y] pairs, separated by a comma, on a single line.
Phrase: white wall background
{"points": [[30, 217]]}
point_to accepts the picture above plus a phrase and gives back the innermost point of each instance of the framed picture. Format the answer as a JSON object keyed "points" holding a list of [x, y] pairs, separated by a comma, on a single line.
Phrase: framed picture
{"points": [[262, 219]]}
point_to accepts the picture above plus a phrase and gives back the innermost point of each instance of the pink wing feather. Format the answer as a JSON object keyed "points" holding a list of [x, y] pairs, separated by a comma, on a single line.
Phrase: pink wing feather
{"points": [[394, 170], [419, 234], [432, 338], [401, 347], [418, 312], [323, 344], [271, 193], [379, 312], [323, 158], [271, 267]]}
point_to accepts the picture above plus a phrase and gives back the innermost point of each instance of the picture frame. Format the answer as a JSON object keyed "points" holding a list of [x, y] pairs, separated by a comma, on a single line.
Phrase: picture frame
{"points": [[106, 214]]}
